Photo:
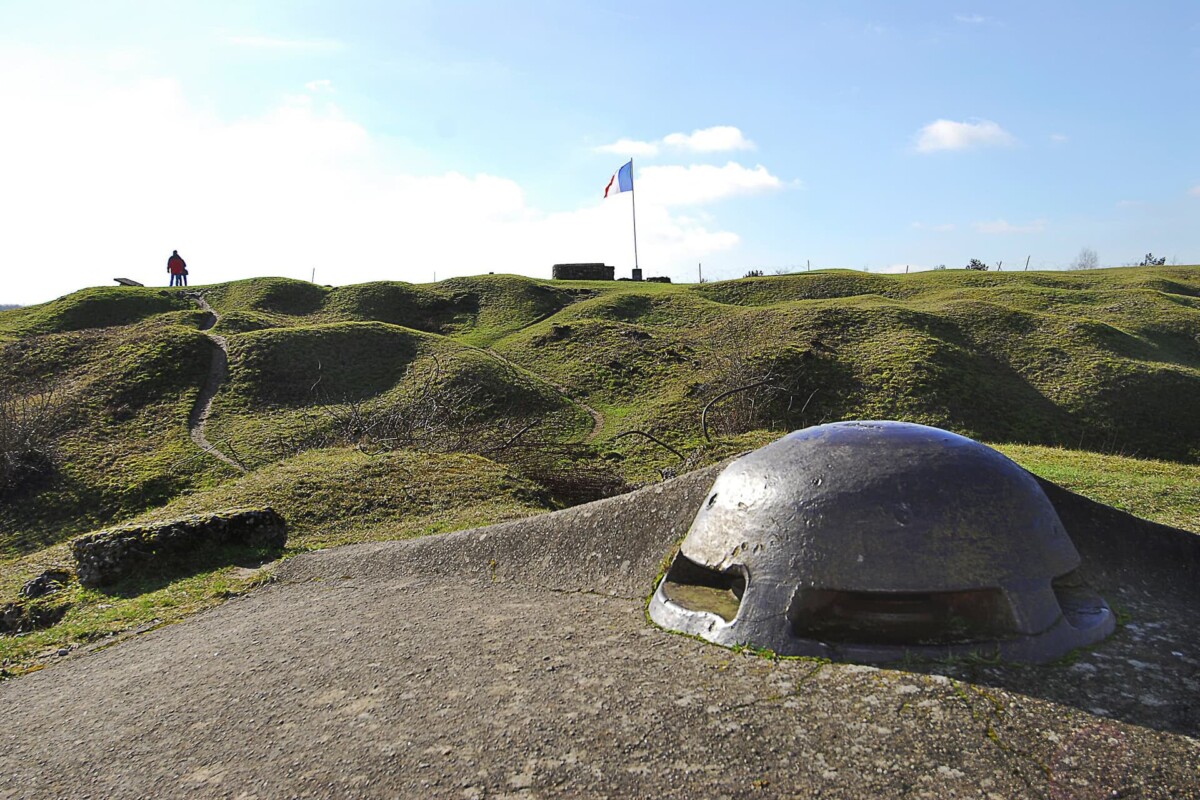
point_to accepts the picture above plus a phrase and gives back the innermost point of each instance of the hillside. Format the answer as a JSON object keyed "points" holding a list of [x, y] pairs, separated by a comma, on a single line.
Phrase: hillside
{"points": [[388, 410]]}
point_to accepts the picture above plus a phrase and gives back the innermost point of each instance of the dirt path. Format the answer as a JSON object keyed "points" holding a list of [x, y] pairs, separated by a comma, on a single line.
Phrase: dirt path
{"points": [[218, 371], [597, 417]]}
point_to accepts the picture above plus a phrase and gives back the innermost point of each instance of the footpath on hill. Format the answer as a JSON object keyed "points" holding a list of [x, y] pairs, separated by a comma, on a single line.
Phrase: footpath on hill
{"points": [[218, 372]]}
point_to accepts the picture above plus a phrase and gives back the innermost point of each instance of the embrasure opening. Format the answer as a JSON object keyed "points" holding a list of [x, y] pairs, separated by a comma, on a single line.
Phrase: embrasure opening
{"points": [[696, 587], [1080, 604], [913, 618]]}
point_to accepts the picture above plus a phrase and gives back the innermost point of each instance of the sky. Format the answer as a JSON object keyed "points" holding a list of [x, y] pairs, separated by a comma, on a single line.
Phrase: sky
{"points": [[368, 140]]}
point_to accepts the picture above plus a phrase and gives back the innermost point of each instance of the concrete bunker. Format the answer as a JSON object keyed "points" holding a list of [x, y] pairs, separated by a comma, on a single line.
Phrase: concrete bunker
{"points": [[877, 541]]}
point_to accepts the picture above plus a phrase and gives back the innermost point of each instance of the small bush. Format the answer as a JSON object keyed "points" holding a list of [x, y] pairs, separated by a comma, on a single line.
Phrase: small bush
{"points": [[976, 264], [28, 426]]}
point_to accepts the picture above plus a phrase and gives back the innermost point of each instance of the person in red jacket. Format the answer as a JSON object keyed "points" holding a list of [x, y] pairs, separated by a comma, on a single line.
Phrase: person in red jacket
{"points": [[178, 269]]}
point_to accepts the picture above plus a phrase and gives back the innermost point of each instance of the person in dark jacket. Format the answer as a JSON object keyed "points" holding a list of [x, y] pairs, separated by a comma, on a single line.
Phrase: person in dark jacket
{"points": [[178, 269]]}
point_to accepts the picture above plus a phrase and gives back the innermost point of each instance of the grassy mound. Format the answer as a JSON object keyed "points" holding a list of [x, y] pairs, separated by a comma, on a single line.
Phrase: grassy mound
{"points": [[508, 303], [100, 307], [301, 364], [342, 495], [305, 386], [282, 298], [392, 409], [411, 306], [118, 401], [1088, 360]]}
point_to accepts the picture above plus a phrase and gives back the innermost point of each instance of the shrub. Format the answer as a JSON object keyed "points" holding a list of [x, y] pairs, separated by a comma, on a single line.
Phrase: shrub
{"points": [[28, 425], [1151, 261], [978, 265]]}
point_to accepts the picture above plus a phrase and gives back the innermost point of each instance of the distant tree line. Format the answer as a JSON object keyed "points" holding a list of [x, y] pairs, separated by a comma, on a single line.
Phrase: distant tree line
{"points": [[1087, 259]]}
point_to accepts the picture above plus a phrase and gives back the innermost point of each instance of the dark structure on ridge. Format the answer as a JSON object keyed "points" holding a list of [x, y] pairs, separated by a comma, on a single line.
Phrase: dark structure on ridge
{"points": [[583, 272]]}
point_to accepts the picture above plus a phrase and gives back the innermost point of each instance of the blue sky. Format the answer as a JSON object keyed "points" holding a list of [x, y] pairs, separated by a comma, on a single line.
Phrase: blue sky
{"points": [[404, 140]]}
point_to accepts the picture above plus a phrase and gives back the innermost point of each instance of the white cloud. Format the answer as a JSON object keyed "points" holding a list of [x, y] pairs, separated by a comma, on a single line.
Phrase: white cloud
{"points": [[1130, 203], [275, 43], [944, 227], [944, 134], [296, 187], [703, 183], [629, 147], [1059, 138], [717, 139], [319, 86], [1195, 190], [1004, 226]]}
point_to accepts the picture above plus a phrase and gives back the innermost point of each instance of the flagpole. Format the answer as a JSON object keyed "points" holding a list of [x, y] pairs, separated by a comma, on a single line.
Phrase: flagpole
{"points": [[633, 191]]}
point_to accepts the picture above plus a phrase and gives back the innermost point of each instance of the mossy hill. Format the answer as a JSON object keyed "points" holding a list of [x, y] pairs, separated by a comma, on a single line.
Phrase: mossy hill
{"points": [[391, 409]]}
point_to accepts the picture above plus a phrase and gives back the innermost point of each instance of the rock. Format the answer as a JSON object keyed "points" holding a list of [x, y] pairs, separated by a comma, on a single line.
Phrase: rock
{"points": [[128, 282], [49, 582], [23, 617], [110, 555]]}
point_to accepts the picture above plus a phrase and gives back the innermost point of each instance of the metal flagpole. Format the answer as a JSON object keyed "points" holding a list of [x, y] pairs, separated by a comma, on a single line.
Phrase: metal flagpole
{"points": [[633, 191]]}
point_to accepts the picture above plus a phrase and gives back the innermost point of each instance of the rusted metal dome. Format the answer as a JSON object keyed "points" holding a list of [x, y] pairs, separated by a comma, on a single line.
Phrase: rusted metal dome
{"points": [[875, 541]]}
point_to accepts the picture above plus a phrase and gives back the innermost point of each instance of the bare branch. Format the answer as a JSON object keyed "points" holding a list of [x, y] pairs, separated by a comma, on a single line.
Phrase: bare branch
{"points": [[722, 396], [654, 439]]}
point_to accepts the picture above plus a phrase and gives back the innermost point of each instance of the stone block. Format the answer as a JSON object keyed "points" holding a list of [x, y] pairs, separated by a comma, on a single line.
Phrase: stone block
{"points": [[108, 556]]}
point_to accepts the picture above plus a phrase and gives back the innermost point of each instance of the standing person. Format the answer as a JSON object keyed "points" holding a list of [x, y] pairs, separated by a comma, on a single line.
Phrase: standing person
{"points": [[178, 269]]}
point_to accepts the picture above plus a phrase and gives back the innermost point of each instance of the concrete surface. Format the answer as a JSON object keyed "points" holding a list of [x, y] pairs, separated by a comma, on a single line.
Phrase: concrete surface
{"points": [[517, 661]]}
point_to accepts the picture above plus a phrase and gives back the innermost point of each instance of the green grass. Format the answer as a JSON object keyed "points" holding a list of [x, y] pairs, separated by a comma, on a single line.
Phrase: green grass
{"points": [[1090, 379], [101, 307], [122, 398], [328, 497], [1161, 491], [337, 496]]}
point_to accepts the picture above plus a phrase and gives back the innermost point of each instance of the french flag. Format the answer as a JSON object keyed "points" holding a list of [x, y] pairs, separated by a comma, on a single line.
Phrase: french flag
{"points": [[621, 181]]}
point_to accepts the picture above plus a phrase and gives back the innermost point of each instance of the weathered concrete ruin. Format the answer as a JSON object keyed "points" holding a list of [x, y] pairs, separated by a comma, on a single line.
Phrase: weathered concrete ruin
{"points": [[583, 272]]}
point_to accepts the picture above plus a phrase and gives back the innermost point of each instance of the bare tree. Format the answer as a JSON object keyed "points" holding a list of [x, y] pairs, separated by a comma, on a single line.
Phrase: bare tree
{"points": [[1087, 259]]}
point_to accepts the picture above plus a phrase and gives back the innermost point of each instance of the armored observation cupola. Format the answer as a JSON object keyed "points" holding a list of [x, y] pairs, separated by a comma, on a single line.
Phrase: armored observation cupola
{"points": [[876, 541]]}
